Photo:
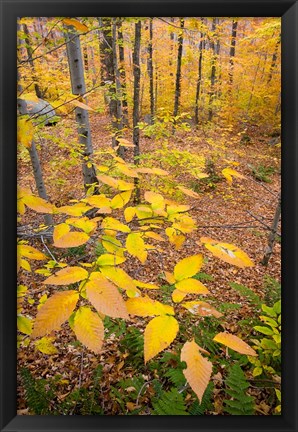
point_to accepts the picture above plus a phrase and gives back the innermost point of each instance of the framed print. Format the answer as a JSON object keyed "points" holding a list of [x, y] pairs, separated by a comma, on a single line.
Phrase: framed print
{"points": [[149, 177]]}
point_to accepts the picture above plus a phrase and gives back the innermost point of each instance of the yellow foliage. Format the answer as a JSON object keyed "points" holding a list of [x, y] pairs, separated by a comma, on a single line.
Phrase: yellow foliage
{"points": [[66, 276], [159, 334], [89, 329], [135, 245], [145, 306], [201, 308], [227, 252], [25, 132], [188, 267], [191, 286], [45, 345], [54, 312]]}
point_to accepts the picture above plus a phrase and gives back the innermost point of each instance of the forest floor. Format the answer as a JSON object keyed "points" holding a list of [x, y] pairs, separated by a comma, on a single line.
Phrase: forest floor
{"points": [[239, 213]]}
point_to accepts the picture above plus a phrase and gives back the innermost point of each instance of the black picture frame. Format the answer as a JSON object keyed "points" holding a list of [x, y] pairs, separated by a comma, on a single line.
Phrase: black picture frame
{"points": [[288, 11]]}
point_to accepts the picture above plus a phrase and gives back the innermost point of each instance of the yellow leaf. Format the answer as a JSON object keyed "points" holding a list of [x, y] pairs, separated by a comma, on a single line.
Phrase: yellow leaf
{"points": [[75, 23], [66, 276], [198, 370], [98, 201], [235, 343], [105, 297], [54, 312], [201, 308], [30, 252], [170, 277], [145, 285], [173, 209], [121, 199], [25, 132], [76, 210], [189, 192], [143, 212], [159, 171], [145, 306], [154, 236], [45, 345], [159, 334], [127, 171], [155, 199], [119, 277], [227, 252], [188, 267], [59, 231], [185, 224], [38, 204], [82, 105], [125, 186], [72, 239], [31, 97], [178, 296], [129, 213], [176, 239], [89, 329], [25, 265], [136, 246], [109, 260], [113, 245], [84, 223], [113, 224], [145, 170], [24, 324], [110, 181], [191, 286], [229, 173], [124, 142]]}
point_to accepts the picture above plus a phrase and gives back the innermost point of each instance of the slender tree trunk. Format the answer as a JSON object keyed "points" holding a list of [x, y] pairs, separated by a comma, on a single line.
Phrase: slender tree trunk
{"points": [[199, 82], [274, 58], [117, 120], [85, 54], [78, 86], [29, 52], [107, 65], [213, 70], [178, 70], [122, 73], [136, 101], [272, 235], [150, 70], [232, 54]]}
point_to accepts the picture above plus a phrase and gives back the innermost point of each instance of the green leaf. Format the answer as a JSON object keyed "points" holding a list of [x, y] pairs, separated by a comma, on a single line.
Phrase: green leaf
{"points": [[264, 330]]}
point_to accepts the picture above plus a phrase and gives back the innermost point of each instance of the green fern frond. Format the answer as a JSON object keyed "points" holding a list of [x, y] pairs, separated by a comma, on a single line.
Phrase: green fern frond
{"points": [[206, 405], [239, 403], [170, 403], [133, 342], [35, 393], [247, 293], [176, 377]]}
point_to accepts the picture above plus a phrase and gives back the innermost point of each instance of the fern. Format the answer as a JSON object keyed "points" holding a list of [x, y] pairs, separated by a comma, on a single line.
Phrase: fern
{"points": [[176, 377], [248, 293], [169, 403], [239, 403], [206, 405], [114, 326], [35, 393], [136, 382], [133, 342]]}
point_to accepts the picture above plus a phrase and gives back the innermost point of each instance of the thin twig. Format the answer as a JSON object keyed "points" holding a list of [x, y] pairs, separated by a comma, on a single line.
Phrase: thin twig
{"points": [[48, 250]]}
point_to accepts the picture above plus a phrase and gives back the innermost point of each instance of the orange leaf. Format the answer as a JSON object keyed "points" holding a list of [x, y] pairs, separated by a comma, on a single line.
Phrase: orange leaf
{"points": [[201, 308], [105, 297], [66, 276], [189, 192], [198, 370], [54, 312], [235, 343], [227, 252]]}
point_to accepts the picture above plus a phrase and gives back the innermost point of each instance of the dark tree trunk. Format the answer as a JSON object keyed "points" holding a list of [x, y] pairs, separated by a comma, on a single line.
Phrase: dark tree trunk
{"points": [[136, 100], [274, 58], [272, 235], [150, 70], [232, 54], [122, 73], [75, 62], [213, 70], [85, 54], [29, 52], [199, 82], [178, 70], [117, 119], [107, 64]]}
